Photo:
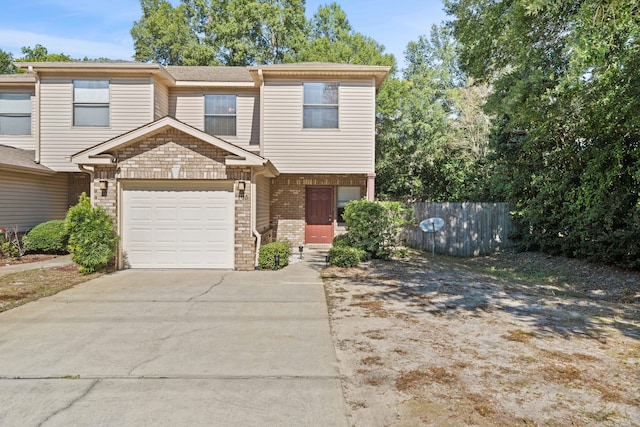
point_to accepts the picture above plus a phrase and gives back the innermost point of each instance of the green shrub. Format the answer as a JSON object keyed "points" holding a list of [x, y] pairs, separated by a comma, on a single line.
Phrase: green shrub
{"points": [[92, 236], [342, 240], [267, 256], [374, 226], [50, 237], [345, 256]]}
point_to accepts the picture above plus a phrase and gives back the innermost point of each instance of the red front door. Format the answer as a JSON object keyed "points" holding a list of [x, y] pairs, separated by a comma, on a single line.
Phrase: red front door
{"points": [[319, 215]]}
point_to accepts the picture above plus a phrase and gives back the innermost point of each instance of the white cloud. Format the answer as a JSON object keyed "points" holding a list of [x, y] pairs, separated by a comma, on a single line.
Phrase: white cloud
{"points": [[13, 40]]}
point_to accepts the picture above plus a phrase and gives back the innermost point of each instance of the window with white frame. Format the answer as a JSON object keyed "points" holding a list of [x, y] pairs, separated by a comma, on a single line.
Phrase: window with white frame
{"points": [[220, 115], [345, 195], [91, 103], [320, 105], [15, 113]]}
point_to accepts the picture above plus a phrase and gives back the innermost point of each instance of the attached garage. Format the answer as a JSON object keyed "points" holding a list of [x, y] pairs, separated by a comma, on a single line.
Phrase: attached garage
{"points": [[179, 224], [181, 198]]}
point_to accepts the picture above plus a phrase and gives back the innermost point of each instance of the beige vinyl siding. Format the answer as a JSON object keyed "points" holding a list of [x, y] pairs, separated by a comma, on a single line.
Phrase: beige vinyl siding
{"points": [[292, 149], [29, 199], [161, 100], [187, 105], [25, 142], [263, 205], [130, 106]]}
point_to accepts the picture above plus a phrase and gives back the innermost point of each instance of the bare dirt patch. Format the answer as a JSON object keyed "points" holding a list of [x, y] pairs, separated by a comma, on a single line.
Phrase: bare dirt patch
{"points": [[513, 339], [26, 259], [25, 286]]}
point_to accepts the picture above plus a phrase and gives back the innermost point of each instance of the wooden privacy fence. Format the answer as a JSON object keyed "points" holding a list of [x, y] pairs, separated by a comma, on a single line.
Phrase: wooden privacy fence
{"points": [[470, 229]]}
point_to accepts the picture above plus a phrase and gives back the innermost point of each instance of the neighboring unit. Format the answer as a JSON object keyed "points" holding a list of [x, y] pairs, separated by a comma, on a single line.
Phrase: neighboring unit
{"points": [[199, 166]]}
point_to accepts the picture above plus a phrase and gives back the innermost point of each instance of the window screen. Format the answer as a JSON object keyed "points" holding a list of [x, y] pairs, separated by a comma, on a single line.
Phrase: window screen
{"points": [[15, 114], [320, 105], [220, 114], [91, 103]]}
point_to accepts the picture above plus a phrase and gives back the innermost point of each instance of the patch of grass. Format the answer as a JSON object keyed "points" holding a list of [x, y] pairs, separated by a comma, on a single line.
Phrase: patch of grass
{"points": [[374, 334], [373, 308], [371, 360], [560, 373], [602, 415], [518, 335], [481, 404], [417, 379], [25, 286]]}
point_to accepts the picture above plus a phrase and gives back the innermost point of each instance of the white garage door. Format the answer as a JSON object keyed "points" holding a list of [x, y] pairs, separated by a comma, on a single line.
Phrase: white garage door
{"points": [[178, 225]]}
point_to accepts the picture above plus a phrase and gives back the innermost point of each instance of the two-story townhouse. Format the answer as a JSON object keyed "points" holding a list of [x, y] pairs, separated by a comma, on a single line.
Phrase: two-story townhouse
{"points": [[199, 166]]}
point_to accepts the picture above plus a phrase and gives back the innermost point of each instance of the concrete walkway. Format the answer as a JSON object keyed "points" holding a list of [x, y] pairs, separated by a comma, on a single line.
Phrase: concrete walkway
{"points": [[174, 348], [54, 262]]}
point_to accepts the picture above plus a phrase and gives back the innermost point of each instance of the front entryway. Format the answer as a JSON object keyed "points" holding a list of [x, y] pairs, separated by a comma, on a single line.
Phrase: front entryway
{"points": [[178, 224], [319, 208]]}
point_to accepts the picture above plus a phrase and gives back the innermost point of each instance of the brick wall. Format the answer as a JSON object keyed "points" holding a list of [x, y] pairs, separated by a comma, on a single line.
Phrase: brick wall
{"points": [[288, 201], [78, 183]]}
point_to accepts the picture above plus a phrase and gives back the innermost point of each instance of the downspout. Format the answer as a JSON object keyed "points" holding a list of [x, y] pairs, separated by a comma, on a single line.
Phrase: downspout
{"points": [[254, 185], [38, 109], [261, 142], [84, 169], [254, 212]]}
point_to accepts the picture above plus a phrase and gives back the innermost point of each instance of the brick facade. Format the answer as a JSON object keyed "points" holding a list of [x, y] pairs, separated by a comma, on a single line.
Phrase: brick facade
{"points": [[173, 155], [77, 183], [288, 192]]}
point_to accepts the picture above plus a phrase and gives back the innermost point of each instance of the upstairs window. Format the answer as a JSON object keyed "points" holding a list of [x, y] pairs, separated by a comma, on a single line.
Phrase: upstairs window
{"points": [[15, 114], [91, 103], [220, 115], [320, 106]]}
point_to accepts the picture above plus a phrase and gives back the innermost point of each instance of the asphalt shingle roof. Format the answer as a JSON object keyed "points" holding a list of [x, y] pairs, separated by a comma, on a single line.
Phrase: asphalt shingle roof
{"points": [[209, 74], [16, 157]]}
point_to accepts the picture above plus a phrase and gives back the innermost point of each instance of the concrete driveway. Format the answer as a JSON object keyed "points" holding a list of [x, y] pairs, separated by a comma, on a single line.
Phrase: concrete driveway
{"points": [[174, 348]]}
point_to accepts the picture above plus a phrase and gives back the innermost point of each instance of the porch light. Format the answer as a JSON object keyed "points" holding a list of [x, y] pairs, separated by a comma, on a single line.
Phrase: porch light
{"points": [[242, 186], [104, 184]]}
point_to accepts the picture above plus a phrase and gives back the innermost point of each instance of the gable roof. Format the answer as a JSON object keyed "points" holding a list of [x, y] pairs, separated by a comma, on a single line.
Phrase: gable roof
{"points": [[100, 154], [16, 158]]}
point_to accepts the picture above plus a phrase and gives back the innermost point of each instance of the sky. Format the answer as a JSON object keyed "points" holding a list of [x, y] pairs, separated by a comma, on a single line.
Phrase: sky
{"points": [[100, 28]]}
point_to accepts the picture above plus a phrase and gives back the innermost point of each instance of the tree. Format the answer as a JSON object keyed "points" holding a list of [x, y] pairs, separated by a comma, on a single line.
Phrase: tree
{"points": [[230, 32], [6, 63], [566, 129], [162, 33], [424, 152], [332, 39], [40, 54]]}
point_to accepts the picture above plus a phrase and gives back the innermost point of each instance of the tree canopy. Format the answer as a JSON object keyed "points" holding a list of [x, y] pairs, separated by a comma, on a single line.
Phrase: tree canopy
{"points": [[230, 32], [38, 53], [566, 102], [422, 151]]}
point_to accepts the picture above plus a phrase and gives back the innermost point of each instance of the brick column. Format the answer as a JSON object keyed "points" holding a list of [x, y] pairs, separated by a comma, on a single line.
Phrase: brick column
{"points": [[371, 186], [245, 241]]}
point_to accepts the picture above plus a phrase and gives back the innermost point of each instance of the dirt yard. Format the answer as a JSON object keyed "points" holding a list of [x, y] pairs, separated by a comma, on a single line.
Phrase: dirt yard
{"points": [[514, 339]]}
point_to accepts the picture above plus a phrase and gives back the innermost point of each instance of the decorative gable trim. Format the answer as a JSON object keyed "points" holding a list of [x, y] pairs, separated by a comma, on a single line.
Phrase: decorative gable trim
{"points": [[102, 154]]}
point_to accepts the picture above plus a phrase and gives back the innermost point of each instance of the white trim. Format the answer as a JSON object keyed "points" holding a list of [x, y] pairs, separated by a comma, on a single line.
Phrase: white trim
{"points": [[90, 156]]}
